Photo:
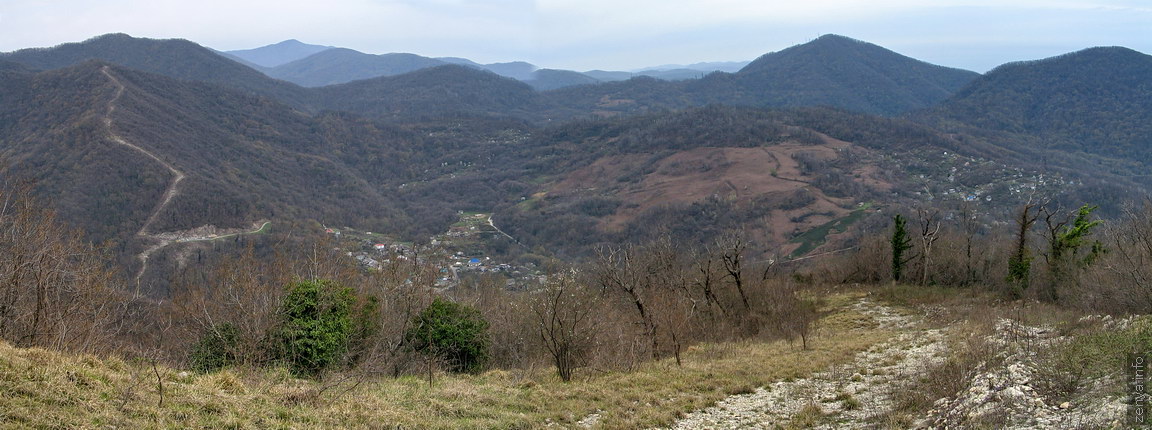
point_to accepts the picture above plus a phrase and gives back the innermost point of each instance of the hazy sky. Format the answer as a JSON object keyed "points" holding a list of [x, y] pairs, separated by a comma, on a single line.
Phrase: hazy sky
{"points": [[602, 34]]}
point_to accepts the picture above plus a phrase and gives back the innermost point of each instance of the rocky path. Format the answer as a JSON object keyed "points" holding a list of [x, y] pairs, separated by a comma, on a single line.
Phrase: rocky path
{"points": [[161, 240], [845, 396], [170, 192], [1006, 394], [173, 187]]}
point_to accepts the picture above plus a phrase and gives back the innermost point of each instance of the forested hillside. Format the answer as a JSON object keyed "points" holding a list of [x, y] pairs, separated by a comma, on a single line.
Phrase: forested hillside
{"points": [[174, 58], [1098, 100], [846, 73], [211, 142], [450, 90]]}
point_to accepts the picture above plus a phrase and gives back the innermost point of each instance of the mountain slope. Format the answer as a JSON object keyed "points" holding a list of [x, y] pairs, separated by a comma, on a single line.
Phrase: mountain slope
{"points": [[518, 70], [449, 90], [339, 65], [1097, 100], [832, 71], [174, 58], [550, 79], [837, 71], [120, 150], [51, 132], [279, 53]]}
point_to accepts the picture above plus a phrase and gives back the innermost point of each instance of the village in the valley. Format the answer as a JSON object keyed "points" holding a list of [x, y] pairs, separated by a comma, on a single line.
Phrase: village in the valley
{"points": [[472, 247]]}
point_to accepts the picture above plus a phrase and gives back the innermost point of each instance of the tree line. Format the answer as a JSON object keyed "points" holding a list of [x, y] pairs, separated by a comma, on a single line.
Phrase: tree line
{"points": [[310, 309]]}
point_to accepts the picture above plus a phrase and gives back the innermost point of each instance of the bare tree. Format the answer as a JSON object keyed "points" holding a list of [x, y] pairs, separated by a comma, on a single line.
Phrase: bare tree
{"points": [[1020, 262], [1126, 284], [241, 293], [706, 266], [654, 280], [55, 289], [620, 270], [565, 315], [405, 285], [929, 233], [732, 249], [969, 226]]}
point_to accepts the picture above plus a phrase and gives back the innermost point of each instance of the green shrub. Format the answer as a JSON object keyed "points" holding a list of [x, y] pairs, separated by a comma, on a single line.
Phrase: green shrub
{"points": [[216, 348], [315, 325], [453, 332]]}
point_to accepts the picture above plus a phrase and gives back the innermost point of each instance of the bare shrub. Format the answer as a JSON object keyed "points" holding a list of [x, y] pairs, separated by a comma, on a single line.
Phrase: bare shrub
{"points": [[567, 322], [242, 292], [404, 286], [515, 342], [56, 290], [1121, 282]]}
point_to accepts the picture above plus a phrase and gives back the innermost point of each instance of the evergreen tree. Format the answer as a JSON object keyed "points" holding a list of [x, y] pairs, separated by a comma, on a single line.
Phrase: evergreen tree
{"points": [[1069, 248], [901, 243]]}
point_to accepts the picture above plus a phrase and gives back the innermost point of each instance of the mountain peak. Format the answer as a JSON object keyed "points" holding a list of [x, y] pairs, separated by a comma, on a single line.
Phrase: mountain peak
{"points": [[1102, 58], [1104, 53], [175, 58], [837, 38], [1097, 99], [280, 53], [110, 37], [840, 71]]}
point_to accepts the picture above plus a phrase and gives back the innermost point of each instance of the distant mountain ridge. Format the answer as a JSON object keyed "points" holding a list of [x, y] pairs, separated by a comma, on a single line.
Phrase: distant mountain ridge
{"points": [[279, 53], [315, 66], [830, 71], [448, 90], [341, 65], [707, 66], [833, 71]]}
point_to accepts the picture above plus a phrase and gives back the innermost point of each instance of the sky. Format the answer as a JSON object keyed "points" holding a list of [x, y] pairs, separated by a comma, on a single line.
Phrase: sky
{"points": [[602, 34]]}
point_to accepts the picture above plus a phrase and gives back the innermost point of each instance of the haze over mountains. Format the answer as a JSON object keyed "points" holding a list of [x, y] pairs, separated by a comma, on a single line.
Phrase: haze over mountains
{"points": [[315, 65], [786, 144], [277, 54]]}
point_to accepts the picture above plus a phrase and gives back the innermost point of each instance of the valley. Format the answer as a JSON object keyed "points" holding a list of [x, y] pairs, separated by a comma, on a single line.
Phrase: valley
{"points": [[832, 235]]}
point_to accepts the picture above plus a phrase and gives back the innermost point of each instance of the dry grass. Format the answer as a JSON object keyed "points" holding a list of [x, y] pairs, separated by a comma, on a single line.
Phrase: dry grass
{"points": [[808, 417], [972, 316], [40, 388]]}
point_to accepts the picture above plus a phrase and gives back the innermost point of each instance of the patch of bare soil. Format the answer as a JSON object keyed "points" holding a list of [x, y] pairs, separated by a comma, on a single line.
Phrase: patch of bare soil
{"points": [[769, 173]]}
